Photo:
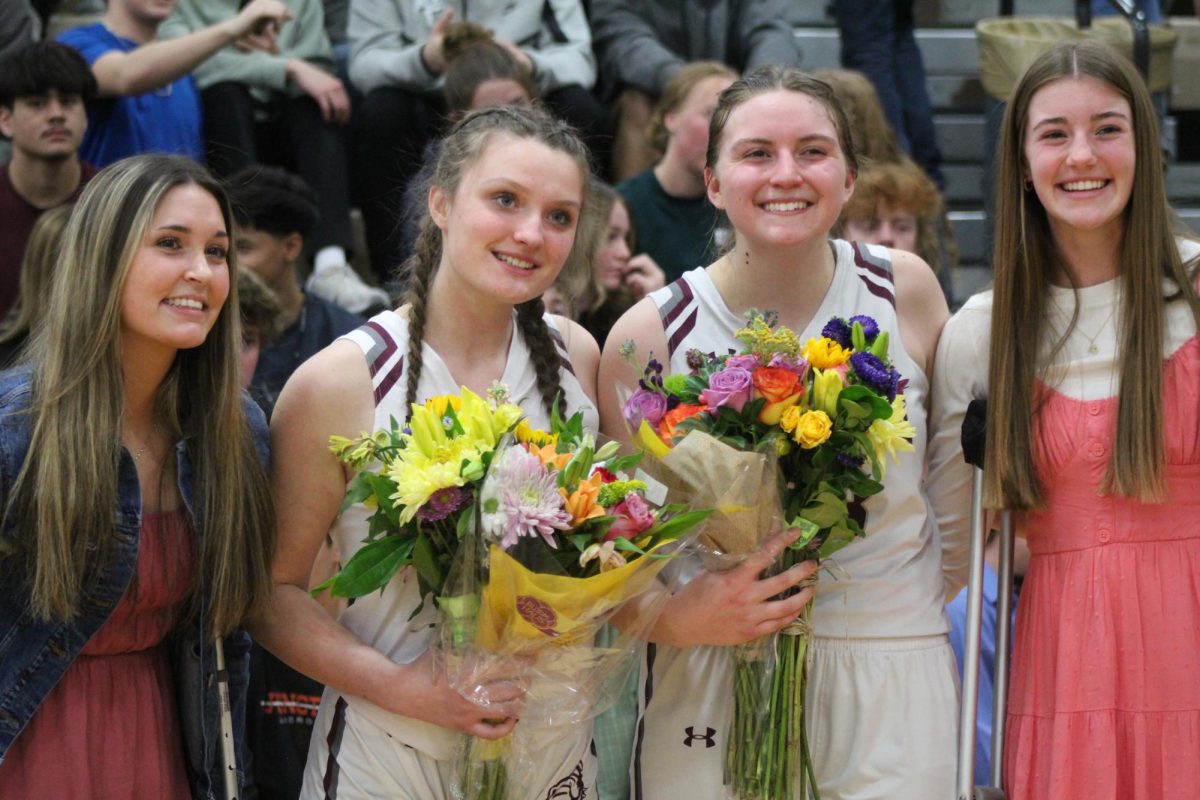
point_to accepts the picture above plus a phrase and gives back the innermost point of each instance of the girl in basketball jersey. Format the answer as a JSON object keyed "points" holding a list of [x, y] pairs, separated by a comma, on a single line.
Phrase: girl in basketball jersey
{"points": [[503, 204], [882, 694]]}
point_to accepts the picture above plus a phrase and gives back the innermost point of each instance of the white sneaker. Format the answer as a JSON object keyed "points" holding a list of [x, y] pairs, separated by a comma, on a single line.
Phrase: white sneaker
{"points": [[340, 284]]}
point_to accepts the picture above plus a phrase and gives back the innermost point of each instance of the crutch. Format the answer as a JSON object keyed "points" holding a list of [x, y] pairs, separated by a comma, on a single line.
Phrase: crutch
{"points": [[228, 752], [972, 446]]}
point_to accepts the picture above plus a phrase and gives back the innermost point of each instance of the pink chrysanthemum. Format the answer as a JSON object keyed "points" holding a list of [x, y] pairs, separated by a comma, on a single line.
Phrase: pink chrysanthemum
{"points": [[529, 499]]}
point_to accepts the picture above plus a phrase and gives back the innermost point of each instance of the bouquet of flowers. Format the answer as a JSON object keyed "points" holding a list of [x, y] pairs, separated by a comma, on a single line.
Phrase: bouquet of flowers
{"points": [[421, 482], [818, 420], [564, 538]]}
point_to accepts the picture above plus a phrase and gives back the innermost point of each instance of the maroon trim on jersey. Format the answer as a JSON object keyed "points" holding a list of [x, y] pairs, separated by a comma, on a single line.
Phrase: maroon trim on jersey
{"points": [[681, 332]]}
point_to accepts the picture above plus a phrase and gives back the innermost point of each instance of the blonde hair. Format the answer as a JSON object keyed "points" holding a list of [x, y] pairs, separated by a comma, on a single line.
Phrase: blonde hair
{"points": [[675, 94], [37, 272], [1025, 260], [872, 134], [64, 499]]}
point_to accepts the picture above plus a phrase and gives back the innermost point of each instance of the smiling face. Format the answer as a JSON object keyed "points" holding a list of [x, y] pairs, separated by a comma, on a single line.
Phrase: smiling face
{"points": [[1080, 155], [45, 126], [178, 279], [780, 174], [511, 222]]}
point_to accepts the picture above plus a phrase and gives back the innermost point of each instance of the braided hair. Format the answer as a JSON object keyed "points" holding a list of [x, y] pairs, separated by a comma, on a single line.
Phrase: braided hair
{"points": [[463, 145]]}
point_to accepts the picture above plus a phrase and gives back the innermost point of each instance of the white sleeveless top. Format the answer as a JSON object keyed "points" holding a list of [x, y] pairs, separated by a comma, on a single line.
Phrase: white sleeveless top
{"points": [[382, 618], [890, 583]]}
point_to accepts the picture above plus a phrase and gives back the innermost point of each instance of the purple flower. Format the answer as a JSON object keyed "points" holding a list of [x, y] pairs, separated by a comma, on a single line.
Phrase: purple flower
{"points": [[443, 503], [731, 387], [847, 460], [794, 364], [838, 330], [869, 326], [644, 405], [874, 374], [746, 361], [530, 503]]}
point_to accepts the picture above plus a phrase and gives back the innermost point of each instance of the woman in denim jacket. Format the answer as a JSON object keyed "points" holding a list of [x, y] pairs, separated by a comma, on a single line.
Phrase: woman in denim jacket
{"points": [[137, 523]]}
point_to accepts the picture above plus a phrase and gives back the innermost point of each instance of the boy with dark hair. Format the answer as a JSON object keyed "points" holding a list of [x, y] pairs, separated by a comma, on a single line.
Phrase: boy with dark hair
{"points": [[275, 210], [43, 87]]}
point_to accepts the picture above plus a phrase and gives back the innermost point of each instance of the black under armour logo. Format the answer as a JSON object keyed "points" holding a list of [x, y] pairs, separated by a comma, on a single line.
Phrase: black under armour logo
{"points": [[570, 787], [708, 737]]}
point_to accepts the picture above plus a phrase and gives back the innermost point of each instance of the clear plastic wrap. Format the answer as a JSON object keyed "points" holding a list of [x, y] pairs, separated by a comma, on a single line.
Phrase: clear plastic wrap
{"points": [[521, 610]]}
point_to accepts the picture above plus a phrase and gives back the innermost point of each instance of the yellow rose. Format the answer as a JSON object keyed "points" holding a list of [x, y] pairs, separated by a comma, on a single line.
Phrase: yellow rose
{"points": [[824, 353], [812, 429], [791, 418]]}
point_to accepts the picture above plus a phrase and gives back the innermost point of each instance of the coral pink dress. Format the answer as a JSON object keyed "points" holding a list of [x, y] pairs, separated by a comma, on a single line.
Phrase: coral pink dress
{"points": [[1105, 696], [109, 729]]}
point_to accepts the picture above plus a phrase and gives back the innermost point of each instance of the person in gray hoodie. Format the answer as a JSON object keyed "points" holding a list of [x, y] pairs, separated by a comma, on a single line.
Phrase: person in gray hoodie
{"points": [[397, 61], [640, 46]]}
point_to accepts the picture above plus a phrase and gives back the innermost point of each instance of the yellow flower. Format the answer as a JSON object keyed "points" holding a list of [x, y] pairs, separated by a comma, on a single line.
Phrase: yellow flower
{"points": [[827, 385], [355, 453], [892, 435], [812, 429], [824, 353], [527, 434], [438, 405], [419, 474], [791, 418]]}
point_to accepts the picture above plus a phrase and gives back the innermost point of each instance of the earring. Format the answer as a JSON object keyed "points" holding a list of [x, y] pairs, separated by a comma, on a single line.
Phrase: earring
{"points": [[1028, 185]]}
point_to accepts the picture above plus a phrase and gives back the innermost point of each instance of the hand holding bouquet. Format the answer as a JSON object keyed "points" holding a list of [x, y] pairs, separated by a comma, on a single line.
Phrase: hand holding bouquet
{"points": [[819, 420], [565, 538]]}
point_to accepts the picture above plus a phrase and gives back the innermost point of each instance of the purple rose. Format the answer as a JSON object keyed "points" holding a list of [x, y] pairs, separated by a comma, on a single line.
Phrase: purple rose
{"points": [[644, 405], [746, 361], [729, 387]]}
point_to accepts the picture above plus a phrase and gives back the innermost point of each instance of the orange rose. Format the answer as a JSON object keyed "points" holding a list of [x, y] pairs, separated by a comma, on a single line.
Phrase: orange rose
{"points": [[780, 388], [666, 426]]}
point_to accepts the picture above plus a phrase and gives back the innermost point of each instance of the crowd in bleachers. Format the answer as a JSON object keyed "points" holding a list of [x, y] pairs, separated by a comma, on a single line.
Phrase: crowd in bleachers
{"points": [[355, 155]]}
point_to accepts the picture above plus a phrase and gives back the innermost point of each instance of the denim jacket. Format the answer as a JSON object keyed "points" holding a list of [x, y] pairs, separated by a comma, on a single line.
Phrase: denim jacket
{"points": [[34, 654]]}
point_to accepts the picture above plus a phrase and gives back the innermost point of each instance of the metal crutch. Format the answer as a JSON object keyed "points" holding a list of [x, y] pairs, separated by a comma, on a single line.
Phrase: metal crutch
{"points": [[973, 438], [228, 751]]}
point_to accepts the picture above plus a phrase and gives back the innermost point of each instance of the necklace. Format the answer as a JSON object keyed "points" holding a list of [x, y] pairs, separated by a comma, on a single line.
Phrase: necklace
{"points": [[139, 452], [1092, 347]]}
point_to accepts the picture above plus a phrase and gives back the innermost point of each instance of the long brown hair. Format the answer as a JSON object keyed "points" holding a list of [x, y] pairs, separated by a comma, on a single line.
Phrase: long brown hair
{"points": [[463, 145], [65, 497], [1026, 258]]}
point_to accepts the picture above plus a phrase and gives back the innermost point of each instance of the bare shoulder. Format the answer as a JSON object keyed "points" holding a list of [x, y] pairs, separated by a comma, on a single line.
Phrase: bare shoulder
{"points": [[330, 394], [920, 305], [582, 351]]}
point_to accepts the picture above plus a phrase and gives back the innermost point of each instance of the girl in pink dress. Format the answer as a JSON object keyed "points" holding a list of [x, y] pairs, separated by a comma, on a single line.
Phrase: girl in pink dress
{"points": [[1093, 386], [137, 517]]}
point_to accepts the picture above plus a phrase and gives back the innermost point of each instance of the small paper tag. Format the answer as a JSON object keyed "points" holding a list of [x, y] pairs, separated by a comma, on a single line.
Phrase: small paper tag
{"points": [[656, 492]]}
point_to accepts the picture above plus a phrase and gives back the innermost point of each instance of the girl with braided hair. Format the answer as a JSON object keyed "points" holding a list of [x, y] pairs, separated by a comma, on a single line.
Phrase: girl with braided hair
{"points": [[503, 204]]}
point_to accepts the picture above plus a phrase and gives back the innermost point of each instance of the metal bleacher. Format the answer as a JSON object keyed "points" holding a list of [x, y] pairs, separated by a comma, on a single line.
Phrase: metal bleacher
{"points": [[946, 36]]}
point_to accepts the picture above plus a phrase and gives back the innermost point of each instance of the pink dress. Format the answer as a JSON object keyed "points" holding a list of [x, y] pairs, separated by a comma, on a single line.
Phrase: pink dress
{"points": [[109, 729], [1105, 693]]}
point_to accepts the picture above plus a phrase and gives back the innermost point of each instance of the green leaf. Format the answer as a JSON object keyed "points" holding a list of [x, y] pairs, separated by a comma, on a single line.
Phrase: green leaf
{"points": [[358, 490], [426, 563], [372, 566], [825, 510], [876, 407], [678, 525], [839, 536]]}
